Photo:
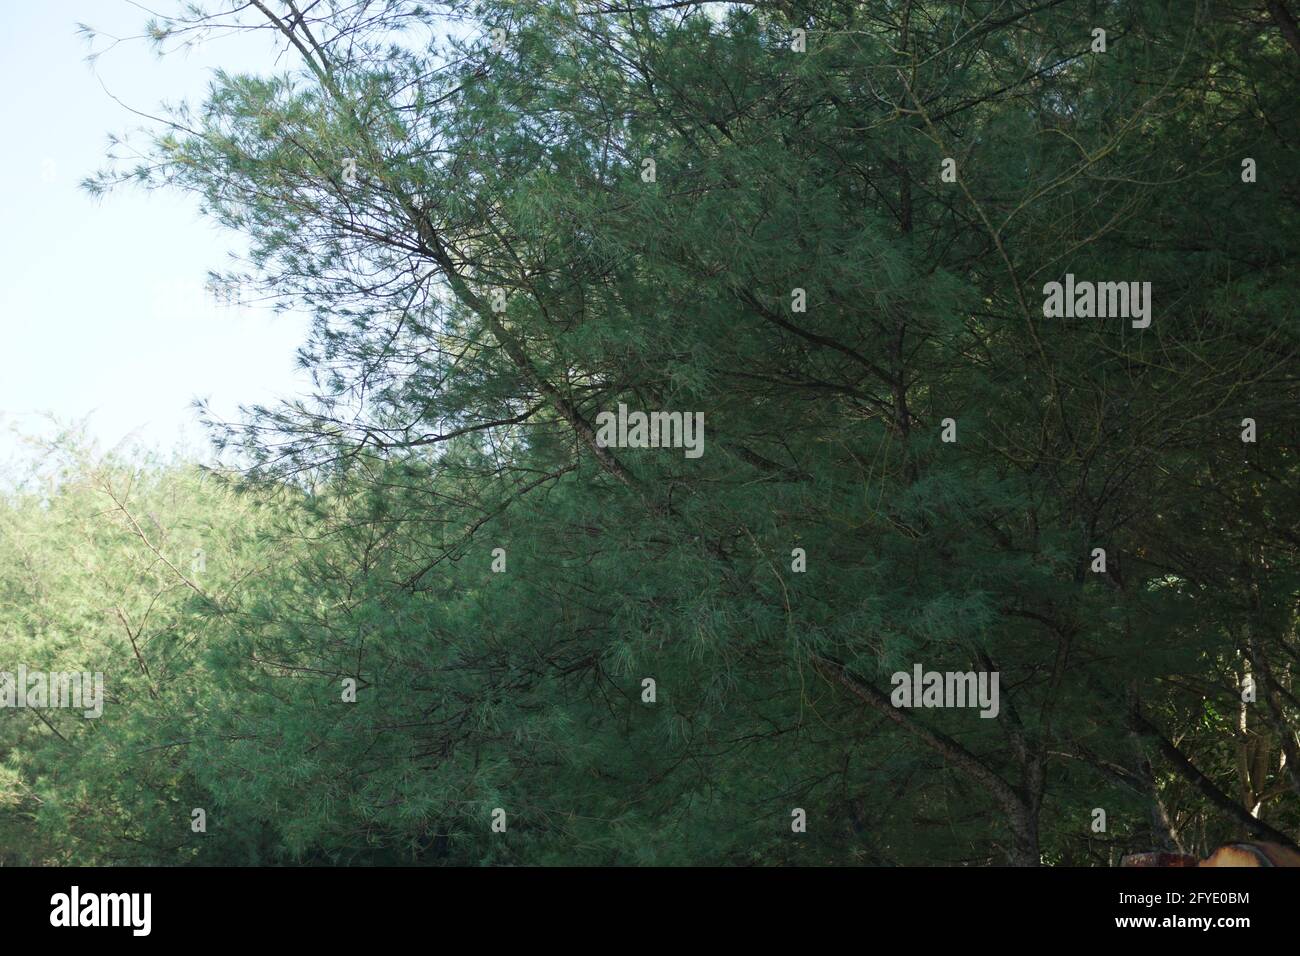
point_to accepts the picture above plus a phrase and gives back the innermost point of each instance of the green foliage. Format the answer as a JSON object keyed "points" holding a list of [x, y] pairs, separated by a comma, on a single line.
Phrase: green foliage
{"points": [[361, 545]]}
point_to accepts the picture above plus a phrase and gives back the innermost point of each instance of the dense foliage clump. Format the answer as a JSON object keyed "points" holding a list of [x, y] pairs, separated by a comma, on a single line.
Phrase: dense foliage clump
{"points": [[492, 264]]}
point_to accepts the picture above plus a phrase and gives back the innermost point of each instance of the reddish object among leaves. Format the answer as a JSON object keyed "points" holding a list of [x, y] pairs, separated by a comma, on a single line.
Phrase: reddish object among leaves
{"points": [[1231, 854]]}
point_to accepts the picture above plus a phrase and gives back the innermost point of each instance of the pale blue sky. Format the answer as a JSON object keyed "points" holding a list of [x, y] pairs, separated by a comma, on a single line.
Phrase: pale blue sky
{"points": [[102, 308]]}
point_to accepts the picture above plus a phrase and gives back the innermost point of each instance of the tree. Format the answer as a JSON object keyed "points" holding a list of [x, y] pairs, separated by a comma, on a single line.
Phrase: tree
{"points": [[568, 209]]}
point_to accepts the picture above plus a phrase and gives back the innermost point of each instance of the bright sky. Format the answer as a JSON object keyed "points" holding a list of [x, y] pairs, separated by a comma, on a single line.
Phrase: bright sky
{"points": [[102, 306]]}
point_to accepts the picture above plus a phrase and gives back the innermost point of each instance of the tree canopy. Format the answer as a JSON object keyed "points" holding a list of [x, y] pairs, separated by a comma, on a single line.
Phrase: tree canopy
{"points": [[828, 227]]}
